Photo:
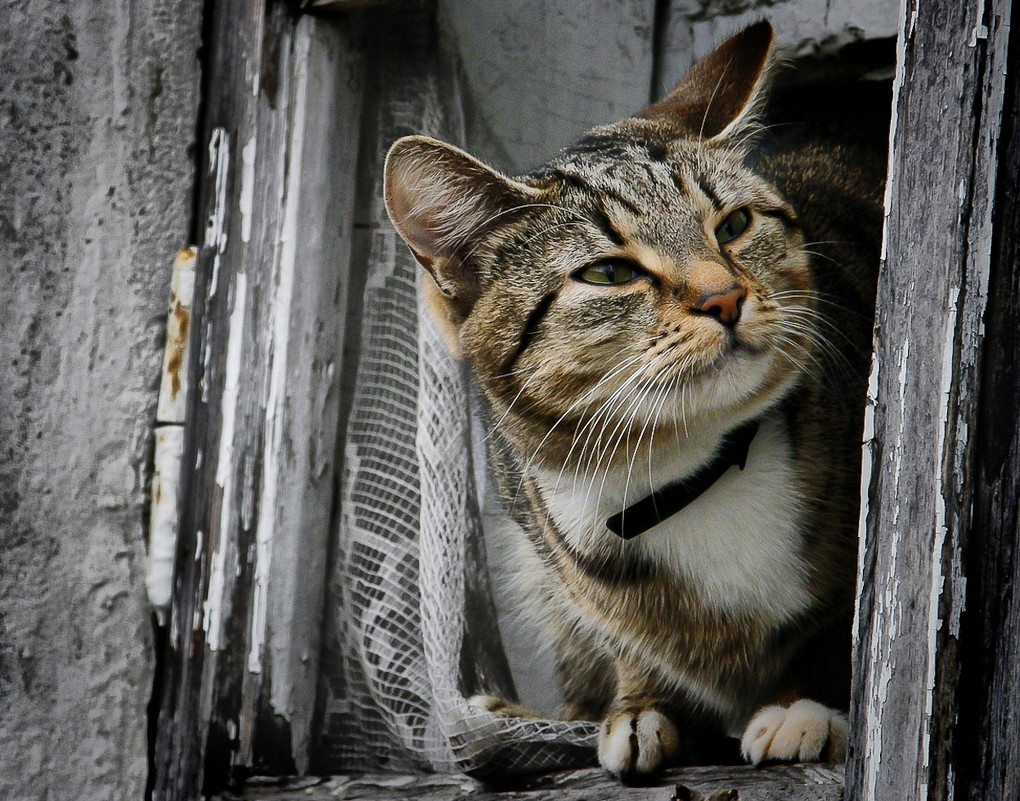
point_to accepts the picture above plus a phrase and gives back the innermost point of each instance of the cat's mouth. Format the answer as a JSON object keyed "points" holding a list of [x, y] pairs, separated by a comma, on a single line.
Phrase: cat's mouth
{"points": [[740, 364], [731, 355], [737, 344]]}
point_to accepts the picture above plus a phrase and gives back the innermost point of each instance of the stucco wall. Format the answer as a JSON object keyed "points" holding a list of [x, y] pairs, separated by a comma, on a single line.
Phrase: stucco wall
{"points": [[98, 107], [540, 73]]}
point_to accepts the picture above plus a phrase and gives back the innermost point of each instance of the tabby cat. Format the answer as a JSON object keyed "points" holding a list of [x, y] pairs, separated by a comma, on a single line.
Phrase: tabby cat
{"points": [[670, 325]]}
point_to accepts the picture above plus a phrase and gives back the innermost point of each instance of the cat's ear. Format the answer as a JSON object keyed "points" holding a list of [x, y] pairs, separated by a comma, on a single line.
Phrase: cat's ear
{"points": [[719, 96], [440, 200]]}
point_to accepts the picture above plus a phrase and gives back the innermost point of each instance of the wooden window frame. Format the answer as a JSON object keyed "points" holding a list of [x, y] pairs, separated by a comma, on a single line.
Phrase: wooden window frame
{"points": [[934, 707], [934, 711]]}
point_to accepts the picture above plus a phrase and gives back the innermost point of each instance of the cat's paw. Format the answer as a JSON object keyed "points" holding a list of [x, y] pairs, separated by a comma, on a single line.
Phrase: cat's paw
{"points": [[805, 731], [635, 744], [500, 706]]}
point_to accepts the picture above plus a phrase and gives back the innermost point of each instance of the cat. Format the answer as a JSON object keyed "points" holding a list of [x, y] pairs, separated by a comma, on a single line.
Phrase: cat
{"points": [[670, 324]]}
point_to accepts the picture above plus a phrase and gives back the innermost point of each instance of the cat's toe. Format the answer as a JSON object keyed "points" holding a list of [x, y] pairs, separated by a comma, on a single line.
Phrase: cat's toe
{"points": [[636, 744], [488, 703], [500, 706], [805, 731]]}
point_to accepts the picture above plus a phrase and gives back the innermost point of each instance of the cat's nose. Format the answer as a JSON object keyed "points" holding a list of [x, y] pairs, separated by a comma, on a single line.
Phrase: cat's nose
{"points": [[724, 306]]}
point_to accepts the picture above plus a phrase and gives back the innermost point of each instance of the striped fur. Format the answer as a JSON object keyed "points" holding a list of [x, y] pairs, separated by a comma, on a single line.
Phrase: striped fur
{"points": [[599, 394]]}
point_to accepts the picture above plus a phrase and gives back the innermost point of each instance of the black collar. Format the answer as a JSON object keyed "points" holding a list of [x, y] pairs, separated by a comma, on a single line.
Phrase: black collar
{"points": [[666, 502]]}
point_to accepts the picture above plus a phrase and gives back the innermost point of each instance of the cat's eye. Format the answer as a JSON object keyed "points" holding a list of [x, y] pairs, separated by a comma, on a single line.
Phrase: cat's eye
{"points": [[733, 226], [609, 271]]}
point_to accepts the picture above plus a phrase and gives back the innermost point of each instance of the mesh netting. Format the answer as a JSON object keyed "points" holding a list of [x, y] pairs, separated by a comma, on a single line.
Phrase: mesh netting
{"points": [[409, 524], [401, 653]]}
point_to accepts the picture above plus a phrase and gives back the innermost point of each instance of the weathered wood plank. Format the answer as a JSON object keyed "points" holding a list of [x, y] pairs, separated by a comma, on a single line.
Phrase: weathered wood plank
{"points": [[989, 691], [933, 292], [312, 257], [793, 783], [265, 377]]}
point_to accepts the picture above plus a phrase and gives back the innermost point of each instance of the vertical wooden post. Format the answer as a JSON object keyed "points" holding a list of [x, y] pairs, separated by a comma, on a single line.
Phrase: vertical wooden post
{"points": [[280, 148], [202, 680], [917, 650], [989, 691]]}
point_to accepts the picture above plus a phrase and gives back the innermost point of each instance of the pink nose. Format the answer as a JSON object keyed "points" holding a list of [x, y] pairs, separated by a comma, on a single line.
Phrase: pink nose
{"points": [[724, 306]]}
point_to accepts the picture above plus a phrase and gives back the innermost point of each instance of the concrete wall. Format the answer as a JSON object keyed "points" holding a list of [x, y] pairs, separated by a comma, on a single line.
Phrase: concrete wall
{"points": [[98, 108], [539, 73]]}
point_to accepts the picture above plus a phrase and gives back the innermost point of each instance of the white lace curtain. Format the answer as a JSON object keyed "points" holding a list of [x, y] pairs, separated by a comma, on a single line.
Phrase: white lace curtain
{"points": [[401, 651]]}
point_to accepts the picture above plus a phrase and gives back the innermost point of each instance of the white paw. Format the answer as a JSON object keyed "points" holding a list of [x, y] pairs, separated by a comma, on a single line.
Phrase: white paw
{"points": [[500, 706], [637, 743], [487, 703], [806, 731]]}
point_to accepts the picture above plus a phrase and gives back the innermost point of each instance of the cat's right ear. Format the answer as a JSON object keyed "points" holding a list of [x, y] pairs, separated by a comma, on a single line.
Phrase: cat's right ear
{"points": [[441, 200]]}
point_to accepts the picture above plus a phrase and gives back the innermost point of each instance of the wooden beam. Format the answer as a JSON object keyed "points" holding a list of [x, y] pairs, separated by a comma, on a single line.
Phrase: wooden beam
{"points": [[279, 148], [202, 682], [311, 272], [741, 783], [989, 690], [918, 552]]}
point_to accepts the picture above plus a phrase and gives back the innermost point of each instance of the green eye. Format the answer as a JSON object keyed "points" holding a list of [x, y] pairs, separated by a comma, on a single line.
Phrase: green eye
{"points": [[613, 272], [733, 226]]}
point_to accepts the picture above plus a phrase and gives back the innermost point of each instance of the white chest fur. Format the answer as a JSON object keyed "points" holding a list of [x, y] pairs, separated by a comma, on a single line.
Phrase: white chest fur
{"points": [[738, 544]]}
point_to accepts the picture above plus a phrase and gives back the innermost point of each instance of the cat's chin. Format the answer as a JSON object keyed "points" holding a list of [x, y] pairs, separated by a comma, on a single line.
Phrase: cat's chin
{"points": [[740, 383]]}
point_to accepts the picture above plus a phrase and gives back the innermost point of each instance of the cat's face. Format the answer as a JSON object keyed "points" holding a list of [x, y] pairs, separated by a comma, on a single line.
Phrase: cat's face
{"points": [[645, 277]]}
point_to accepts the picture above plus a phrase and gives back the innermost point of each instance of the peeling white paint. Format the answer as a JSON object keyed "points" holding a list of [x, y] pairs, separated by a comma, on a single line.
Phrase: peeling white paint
{"points": [[216, 227], [938, 580], [246, 200], [175, 625], [225, 468], [213, 604], [253, 74], [206, 362], [867, 467], [231, 383], [276, 403], [886, 614], [897, 451]]}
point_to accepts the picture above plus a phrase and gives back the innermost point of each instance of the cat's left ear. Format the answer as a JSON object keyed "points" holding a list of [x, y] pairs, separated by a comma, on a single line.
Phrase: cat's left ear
{"points": [[719, 96]]}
